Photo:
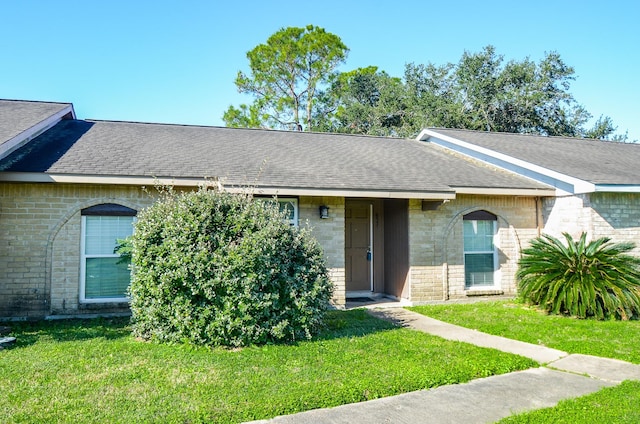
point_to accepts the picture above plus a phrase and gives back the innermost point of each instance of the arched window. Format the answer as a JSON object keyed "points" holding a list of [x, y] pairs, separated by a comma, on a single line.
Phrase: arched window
{"points": [[480, 256], [104, 276]]}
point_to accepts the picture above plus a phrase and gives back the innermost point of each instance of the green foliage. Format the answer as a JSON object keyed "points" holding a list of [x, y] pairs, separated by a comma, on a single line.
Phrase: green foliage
{"points": [[479, 92], [286, 74], [364, 101], [220, 269], [294, 84], [596, 279], [94, 371]]}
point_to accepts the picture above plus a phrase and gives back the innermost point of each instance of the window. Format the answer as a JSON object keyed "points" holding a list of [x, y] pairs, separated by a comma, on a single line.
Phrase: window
{"points": [[289, 206], [479, 249], [104, 277]]}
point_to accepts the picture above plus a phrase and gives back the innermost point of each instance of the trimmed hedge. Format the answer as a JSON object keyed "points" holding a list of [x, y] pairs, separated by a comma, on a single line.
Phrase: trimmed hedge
{"points": [[214, 268]]}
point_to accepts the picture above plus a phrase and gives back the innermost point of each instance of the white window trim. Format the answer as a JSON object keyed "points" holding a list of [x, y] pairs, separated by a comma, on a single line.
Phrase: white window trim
{"points": [[83, 270], [494, 252], [293, 200]]}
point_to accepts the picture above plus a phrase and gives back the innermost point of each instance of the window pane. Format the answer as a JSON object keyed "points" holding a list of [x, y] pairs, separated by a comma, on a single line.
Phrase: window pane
{"points": [[288, 207], [478, 236], [102, 233], [105, 277], [478, 269]]}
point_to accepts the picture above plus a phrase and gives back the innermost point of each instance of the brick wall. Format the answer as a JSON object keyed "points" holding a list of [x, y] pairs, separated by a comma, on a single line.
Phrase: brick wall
{"points": [[330, 234], [613, 215], [569, 214], [40, 244], [40, 239], [436, 245], [617, 216]]}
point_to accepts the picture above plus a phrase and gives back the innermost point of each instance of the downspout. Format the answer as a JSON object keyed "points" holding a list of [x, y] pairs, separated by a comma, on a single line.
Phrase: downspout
{"points": [[445, 281], [538, 215]]}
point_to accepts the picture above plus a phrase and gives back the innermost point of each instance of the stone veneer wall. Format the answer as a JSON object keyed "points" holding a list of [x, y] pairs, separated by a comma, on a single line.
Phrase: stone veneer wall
{"points": [[436, 245], [40, 244]]}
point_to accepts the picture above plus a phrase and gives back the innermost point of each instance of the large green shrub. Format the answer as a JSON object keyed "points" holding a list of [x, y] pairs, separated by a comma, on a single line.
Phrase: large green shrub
{"points": [[597, 279], [222, 269]]}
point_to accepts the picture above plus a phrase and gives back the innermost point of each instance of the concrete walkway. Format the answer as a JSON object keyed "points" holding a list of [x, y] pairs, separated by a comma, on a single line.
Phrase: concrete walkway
{"points": [[485, 400]]}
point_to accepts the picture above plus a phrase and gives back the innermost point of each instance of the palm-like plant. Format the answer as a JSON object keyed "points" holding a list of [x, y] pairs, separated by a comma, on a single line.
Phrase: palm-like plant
{"points": [[597, 279]]}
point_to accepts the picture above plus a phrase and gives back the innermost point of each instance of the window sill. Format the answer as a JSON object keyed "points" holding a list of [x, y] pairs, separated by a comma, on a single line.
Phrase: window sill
{"points": [[98, 305], [484, 292]]}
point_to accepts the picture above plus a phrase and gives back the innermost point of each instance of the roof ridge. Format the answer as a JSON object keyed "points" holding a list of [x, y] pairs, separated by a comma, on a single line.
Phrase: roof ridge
{"points": [[36, 101], [271, 130]]}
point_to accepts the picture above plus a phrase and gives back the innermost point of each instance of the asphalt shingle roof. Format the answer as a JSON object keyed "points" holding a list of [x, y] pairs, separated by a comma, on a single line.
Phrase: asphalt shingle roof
{"points": [[254, 157], [17, 116], [595, 161]]}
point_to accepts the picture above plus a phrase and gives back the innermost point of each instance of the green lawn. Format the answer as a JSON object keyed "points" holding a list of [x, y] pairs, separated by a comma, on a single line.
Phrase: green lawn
{"points": [[613, 405], [94, 371], [610, 339]]}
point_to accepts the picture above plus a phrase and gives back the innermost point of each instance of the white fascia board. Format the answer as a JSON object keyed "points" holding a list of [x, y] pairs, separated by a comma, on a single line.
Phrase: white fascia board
{"points": [[489, 191], [30, 133], [617, 188], [37, 177], [562, 182], [280, 191]]}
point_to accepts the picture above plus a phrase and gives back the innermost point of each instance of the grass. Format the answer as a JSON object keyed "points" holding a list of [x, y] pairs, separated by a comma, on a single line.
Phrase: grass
{"points": [[612, 405], [609, 339], [95, 371]]}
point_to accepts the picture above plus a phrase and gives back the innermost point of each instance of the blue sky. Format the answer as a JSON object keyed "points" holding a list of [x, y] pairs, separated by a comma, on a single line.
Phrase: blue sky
{"points": [[175, 61]]}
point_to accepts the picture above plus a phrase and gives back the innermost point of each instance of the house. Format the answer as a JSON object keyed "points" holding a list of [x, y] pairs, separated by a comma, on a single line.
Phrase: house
{"points": [[442, 217]]}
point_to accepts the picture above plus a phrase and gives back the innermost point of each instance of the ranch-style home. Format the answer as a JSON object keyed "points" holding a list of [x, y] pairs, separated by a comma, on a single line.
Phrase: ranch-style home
{"points": [[442, 217]]}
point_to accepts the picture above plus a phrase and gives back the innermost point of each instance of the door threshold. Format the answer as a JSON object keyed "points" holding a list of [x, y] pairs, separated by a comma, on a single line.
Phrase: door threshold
{"points": [[362, 293], [371, 300]]}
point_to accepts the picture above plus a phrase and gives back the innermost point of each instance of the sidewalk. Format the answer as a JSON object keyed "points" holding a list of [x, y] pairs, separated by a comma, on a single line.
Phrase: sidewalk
{"points": [[485, 400]]}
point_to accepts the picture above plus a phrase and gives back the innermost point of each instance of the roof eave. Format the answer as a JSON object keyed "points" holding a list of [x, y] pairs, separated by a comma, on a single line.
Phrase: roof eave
{"points": [[507, 191], [39, 177], [617, 188]]}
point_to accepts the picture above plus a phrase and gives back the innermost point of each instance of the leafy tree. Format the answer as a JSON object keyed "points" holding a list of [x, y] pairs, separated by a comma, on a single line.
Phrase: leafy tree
{"points": [[285, 76], [480, 92], [215, 268], [432, 96], [597, 279], [364, 101]]}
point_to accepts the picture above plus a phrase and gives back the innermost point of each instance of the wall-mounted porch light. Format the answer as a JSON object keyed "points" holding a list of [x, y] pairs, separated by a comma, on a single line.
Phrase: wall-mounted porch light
{"points": [[324, 212]]}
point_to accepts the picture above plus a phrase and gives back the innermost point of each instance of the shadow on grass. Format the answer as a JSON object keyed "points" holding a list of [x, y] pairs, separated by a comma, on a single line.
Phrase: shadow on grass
{"points": [[29, 333], [337, 324], [352, 323]]}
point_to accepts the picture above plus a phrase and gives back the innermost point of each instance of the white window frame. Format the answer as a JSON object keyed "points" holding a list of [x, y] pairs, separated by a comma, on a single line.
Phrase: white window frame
{"points": [[493, 252], [83, 268], [293, 200]]}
